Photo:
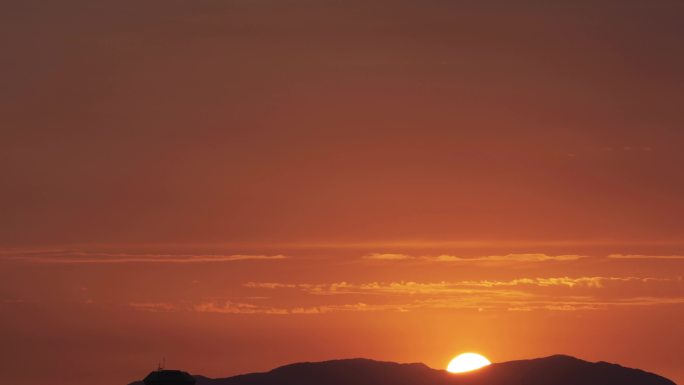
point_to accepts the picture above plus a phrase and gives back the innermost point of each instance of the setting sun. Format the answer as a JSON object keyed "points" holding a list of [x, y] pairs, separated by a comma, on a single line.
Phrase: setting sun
{"points": [[466, 362]]}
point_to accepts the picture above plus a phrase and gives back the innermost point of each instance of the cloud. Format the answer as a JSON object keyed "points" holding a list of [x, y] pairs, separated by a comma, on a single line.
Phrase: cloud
{"points": [[534, 257], [522, 257], [521, 294], [594, 304], [273, 285], [515, 295], [246, 308], [566, 307], [116, 258], [638, 256], [647, 301], [482, 303], [448, 287], [229, 307], [596, 282], [526, 257], [461, 244], [29, 251], [388, 257], [154, 307], [520, 308]]}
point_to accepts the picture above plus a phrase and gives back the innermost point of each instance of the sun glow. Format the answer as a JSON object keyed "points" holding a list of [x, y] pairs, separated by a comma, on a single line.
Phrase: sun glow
{"points": [[466, 362]]}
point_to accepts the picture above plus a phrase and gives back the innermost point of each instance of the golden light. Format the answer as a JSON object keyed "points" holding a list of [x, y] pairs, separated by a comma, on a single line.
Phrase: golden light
{"points": [[466, 362]]}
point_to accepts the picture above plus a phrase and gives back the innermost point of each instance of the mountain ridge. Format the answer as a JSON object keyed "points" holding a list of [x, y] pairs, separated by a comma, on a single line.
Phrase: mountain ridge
{"points": [[557, 369]]}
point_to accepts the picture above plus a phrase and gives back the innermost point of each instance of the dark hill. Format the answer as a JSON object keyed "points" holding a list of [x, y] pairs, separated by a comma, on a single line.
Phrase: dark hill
{"points": [[553, 370], [561, 370], [340, 372]]}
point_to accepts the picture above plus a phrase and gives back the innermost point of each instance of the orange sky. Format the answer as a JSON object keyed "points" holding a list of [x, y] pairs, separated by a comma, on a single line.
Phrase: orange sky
{"points": [[236, 185]]}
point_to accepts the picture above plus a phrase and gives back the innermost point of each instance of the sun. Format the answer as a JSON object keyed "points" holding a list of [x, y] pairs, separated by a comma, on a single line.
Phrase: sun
{"points": [[466, 362]]}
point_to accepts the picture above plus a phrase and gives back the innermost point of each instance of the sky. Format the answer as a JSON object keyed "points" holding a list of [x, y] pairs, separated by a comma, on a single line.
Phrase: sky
{"points": [[239, 184]]}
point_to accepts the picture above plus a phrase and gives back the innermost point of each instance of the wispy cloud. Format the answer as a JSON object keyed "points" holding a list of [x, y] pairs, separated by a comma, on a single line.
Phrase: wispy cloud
{"points": [[117, 258], [229, 307], [154, 306], [388, 257], [596, 282], [14, 251], [595, 304], [472, 303], [466, 244], [639, 256], [374, 287], [526, 257], [411, 287], [521, 294]]}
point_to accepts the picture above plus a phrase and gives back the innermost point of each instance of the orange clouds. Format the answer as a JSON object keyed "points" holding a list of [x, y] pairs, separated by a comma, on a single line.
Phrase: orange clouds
{"points": [[153, 307], [229, 307], [522, 294], [410, 287], [116, 258], [526, 257], [649, 257], [501, 301]]}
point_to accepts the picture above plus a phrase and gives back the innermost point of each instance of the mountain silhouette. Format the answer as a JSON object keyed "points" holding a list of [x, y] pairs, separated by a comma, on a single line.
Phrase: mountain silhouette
{"points": [[553, 370], [169, 377]]}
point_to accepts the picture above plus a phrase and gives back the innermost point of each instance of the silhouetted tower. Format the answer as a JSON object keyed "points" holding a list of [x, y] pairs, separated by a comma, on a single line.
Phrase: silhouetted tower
{"points": [[162, 376]]}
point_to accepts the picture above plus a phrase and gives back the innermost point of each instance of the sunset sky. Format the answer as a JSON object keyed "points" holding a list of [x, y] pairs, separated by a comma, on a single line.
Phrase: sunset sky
{"points": [[239, 184]]}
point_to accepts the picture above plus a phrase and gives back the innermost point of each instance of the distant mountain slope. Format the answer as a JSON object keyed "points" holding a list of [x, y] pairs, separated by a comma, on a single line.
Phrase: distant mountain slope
{"points": [[553, 370], [340, 372], [560, 370]]}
